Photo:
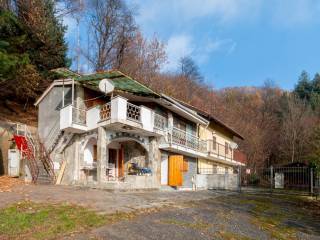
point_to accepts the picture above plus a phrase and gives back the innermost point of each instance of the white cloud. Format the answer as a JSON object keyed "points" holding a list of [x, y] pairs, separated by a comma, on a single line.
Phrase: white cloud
{"points": [[293, 13], [184, 45], [71, 23], [186, 10], [177, 47]]}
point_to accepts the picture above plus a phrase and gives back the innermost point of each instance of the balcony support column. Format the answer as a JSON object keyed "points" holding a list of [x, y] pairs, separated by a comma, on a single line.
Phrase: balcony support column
{"points": [[102, 155]]}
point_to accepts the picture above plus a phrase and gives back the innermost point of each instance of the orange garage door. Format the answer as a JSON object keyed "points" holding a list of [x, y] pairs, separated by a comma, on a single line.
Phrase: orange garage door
{"points": [[175, 170]]}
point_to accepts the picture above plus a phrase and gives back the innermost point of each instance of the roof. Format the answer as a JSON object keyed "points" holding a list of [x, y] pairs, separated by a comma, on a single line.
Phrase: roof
{"points": [[120, 81], [211, 117], [124, 83], [63, 73]]}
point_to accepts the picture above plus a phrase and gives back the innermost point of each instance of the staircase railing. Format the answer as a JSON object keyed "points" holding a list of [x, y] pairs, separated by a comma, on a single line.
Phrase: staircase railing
{"points": [[26, 145], [52, 138], [35, 151], [45, 158]]}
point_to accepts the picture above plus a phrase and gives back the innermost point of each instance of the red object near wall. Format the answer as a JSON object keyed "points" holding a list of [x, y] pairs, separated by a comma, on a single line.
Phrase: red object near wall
{"points": [[240, 156]]}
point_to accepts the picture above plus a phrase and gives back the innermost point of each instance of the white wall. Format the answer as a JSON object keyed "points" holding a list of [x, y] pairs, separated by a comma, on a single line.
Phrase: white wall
{"points": [[164, 170], [88, 151], [93, 117], [217, 181]]}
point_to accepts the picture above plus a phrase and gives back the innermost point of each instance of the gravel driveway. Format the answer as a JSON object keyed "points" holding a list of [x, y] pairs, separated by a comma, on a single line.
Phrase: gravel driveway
{"points": [[184, 215]]}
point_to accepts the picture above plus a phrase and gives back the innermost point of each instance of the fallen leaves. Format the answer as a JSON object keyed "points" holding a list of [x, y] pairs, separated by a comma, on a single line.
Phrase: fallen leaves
{"points": [[8, 183]]}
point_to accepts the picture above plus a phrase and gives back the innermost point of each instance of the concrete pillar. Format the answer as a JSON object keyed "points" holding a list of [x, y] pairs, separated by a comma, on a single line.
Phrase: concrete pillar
{"points": [[76, 175], [102, 155], [155, 161]]}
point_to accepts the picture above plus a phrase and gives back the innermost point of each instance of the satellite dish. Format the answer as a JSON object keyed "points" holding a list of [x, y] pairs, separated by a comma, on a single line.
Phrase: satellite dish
{"points": [[233, 145], [106, 86]]}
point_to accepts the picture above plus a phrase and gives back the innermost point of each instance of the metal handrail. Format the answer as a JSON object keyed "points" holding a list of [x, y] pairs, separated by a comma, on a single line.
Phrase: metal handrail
{"points": [[188, 140], [220, 150]]}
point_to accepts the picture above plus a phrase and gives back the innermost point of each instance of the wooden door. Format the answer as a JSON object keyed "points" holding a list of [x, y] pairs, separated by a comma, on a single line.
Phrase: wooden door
{"points": [[175, 170], [120, 162]]}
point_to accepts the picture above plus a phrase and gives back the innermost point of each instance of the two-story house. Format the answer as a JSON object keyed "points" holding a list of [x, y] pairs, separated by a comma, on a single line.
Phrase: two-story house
{"points": [[110, 131]]}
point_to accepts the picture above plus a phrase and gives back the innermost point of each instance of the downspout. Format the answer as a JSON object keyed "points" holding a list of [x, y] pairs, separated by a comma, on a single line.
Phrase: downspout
{"points": [[72, 92], [62, 93]]}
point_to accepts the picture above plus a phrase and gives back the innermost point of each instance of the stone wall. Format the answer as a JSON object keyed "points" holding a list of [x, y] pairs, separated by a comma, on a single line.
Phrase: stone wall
{"points": [[217, 181], [134, 153]]}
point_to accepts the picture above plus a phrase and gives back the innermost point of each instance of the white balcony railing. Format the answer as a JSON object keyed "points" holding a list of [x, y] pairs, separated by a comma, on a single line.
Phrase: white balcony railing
{"points": [[188, 140], [73, 119], [133, 112], [79, 116]]}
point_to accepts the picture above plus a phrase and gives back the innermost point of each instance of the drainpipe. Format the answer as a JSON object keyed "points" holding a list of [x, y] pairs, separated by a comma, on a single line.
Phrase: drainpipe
{"points": [[63, 93], [72, 92]]}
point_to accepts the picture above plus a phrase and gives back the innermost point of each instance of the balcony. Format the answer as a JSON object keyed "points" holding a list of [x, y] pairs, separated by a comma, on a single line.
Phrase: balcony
{"points": [[118, 115], [73, 119], [185, 143], [224, 153], [121, 115]]}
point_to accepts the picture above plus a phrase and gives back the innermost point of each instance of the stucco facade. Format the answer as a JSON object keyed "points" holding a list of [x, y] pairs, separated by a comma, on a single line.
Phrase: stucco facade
{"points": [[127, 139]]}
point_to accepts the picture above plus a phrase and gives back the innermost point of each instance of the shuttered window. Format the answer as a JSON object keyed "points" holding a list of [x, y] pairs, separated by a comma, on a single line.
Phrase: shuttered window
{"points": [[226, 146], [214, 143]]}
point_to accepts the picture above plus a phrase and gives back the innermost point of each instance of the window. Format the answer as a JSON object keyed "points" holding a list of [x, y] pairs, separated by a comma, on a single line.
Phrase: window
{"points": [[180, 124], [226, 147], [95, 153], [214, 143]]}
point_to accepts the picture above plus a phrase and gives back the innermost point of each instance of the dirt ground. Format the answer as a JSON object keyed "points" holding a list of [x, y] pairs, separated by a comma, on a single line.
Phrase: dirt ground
{"points": [[8, 183], [184, 215], [103, 201]]}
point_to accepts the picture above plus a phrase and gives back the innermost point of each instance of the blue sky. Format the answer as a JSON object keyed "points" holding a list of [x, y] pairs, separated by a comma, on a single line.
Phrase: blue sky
{"points": [[237, 42]]}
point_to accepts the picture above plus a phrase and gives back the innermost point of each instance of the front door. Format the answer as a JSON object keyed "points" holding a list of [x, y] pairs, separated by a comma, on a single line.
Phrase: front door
{"points": [[120, 162], [175, 170]]}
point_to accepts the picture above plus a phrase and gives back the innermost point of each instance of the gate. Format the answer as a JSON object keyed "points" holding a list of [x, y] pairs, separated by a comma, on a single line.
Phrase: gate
{"points": [[295, 180]]}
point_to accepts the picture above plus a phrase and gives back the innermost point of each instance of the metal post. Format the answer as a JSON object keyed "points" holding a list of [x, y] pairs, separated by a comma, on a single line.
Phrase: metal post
{"points": [[63, 93], [72, 92], [271, 178], [239, 176], [311, 181]]}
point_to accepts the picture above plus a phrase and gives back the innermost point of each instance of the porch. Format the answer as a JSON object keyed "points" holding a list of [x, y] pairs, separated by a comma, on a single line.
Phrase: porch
{"points": [[122, 162]]}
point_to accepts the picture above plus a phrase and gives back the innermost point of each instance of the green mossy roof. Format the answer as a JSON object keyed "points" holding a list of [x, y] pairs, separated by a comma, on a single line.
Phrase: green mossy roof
{"points": [[64, 73], [120, 81]]}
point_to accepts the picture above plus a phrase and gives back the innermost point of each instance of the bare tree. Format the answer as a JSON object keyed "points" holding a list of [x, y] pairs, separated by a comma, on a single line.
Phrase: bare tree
{"points": [[297, 126], [112, 25], [143, 59]]}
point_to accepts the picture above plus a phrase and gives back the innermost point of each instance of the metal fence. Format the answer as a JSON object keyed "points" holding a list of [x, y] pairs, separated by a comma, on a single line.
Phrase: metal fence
{"points": [[280, 179]]}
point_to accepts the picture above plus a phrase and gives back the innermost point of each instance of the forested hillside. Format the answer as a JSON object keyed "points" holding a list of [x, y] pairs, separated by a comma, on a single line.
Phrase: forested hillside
{"points": [[278, 126]]}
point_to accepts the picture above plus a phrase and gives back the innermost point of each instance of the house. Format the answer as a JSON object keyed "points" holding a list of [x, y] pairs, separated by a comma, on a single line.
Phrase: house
{"points": [[107, 130]]}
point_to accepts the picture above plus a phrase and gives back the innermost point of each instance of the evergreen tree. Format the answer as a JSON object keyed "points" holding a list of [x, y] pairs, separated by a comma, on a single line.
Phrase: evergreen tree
{"points": [[48, 49], [304, 87], [32, 43]]}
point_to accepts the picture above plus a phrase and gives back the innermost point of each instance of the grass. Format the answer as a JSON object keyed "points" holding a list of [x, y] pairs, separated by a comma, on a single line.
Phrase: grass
{"points": [[29, 220], [44, 221], [270, 217]]}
